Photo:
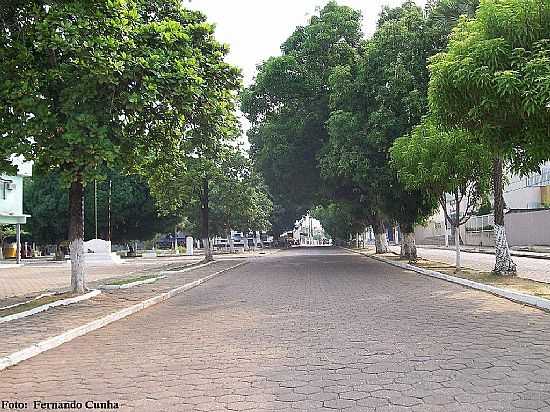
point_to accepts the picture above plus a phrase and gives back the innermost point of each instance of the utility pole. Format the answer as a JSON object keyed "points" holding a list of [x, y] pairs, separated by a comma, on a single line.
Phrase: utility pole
{"points": [[95, 207], [109, 211]]}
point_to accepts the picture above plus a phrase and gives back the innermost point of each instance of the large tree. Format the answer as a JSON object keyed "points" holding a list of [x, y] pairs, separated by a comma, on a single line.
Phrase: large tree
{"points": [[494, 80], [216, 193], [380, 97], [86, 84], [375, 101], [444, 162]]}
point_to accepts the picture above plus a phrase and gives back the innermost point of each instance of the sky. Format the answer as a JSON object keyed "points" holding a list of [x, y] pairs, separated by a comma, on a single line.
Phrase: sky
{"points": [[255, 29]]}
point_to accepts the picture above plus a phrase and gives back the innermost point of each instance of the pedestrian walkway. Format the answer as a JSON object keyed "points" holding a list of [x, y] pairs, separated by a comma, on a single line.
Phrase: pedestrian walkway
{"points": [[541, 253], [22, 333], [49, 275], [46, 275], [528, 268]]}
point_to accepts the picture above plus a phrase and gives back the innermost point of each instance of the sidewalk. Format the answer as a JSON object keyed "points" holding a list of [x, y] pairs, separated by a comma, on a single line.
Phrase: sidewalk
{"points": [[491, 251], [28, 332], [528, 267]]}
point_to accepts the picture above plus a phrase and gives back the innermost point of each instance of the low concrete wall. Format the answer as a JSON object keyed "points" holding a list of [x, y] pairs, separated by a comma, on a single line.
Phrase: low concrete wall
{"points": [[486, 238], [528, 227], [429, 234]]}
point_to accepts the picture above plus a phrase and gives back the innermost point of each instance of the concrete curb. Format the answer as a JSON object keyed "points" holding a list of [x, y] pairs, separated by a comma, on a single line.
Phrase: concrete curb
{"points": [[539, 303], [187, 269], [69, 335], [42, 308]]}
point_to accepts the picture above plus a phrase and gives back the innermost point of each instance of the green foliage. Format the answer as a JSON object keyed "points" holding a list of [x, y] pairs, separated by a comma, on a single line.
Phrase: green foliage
{"points": [[133, 212], [236, 200], [288, 107], [339, 220], [375, 100], [494, 80], [87, 84], [441, 161]]}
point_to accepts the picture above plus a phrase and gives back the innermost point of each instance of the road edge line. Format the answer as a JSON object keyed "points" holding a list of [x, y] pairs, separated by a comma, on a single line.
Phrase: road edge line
{"points": [[516, 297], [55, 341]]}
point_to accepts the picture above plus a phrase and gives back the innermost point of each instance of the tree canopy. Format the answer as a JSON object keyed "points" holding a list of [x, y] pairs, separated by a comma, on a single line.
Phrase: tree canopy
{"points": [[494, 79], [288, 106]]}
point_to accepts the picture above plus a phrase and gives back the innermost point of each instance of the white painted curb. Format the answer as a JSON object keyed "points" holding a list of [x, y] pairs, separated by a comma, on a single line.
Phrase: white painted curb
{"points": [[517, 297], [43, 308], [69, 335], [132, 284], [192, 267]]}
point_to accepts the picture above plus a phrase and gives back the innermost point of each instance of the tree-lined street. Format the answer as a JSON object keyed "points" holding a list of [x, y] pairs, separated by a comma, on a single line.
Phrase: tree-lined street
{"points": [[192, 195], [307, 329]]}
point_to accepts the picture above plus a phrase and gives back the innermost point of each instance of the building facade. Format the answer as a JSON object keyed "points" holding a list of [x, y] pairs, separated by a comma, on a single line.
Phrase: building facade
{"points": [[11, 199], [527, 200]]}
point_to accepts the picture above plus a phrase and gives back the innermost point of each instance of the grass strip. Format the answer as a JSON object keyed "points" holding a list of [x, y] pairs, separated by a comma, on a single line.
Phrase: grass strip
{"points": [[36, 303]]}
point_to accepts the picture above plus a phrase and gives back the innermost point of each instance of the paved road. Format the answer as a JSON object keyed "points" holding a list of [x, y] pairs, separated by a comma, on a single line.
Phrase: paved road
{"points": [[529, 268], [309, 329]]}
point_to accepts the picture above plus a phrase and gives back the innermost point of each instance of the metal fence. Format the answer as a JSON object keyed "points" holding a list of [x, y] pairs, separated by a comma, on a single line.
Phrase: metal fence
{"points": [[485, 223]]}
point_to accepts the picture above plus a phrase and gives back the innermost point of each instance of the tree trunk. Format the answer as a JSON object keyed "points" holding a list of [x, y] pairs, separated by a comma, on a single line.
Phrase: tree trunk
{"points": [[76, 236], [255, 239], [504, 265], [231, 243], [457, 232], [458, 267], [380, 239], [408, 243], [205, 231]]}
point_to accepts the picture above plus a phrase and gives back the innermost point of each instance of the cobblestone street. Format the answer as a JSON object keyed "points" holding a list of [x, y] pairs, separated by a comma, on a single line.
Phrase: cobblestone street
{"points": [[306, 329]]}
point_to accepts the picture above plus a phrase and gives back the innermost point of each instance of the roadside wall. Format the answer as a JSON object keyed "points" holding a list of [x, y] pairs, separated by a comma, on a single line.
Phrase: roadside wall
{"points": [[528, 227]]}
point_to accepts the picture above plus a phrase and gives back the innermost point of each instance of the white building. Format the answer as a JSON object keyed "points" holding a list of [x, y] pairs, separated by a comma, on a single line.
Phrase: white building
{"points": [[526, 223], [11, 200], [309, 231]]}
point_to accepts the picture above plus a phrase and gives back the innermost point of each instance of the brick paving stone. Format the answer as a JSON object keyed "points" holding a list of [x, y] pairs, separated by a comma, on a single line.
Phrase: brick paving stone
{"points": [[22, 333], [307, 329]]}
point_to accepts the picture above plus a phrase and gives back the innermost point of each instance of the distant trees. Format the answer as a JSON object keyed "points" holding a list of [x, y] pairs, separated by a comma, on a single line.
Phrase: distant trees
{"points": [[217, 194], [288, 107], [326, 113], [133, 212]]}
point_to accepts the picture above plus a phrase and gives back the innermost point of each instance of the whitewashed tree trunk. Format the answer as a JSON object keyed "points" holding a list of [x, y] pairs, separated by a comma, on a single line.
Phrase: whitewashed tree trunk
{"points": [[207, 249], [381, 243], [380, 237], [408, 246], [457, 248], [504, 265], [76, 236]]}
